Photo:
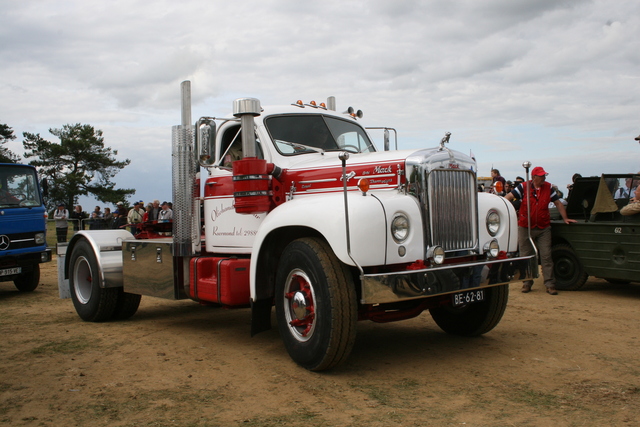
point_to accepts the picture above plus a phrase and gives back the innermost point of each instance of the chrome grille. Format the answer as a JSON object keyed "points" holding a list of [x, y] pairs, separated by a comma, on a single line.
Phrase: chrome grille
{"points": [[452, 212]]}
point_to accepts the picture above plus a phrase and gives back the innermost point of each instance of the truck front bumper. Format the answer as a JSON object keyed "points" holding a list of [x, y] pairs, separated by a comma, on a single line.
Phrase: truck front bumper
{"points": [[383, 288]]}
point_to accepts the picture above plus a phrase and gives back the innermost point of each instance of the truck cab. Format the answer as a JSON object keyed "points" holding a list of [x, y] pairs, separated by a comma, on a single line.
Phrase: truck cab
{"points": [[23, 226]]}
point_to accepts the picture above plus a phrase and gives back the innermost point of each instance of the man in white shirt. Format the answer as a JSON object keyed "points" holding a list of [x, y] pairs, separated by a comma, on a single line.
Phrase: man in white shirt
{"points": [[166, 214], [626, 191]]}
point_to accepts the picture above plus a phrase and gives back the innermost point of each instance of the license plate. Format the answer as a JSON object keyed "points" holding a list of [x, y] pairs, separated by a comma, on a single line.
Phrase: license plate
{"points": [[10, 271], [467, 297]]}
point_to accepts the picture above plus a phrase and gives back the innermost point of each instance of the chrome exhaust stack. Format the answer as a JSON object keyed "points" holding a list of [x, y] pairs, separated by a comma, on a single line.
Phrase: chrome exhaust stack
{"points": [[186, 203]]}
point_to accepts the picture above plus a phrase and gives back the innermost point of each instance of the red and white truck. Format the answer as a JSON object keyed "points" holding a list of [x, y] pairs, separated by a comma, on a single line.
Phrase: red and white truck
{"points": [[297, 208]]}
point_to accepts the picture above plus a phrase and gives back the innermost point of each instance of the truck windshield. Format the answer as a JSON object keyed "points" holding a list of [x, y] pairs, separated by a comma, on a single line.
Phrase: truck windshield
{"points": [[18, 187], [310, 133]]}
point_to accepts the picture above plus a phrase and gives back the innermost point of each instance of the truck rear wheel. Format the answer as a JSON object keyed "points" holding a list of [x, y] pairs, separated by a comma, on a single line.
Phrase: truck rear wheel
{"points": [[473, 319], [92, 303], [567, 268], [316, 305], [29, 280], [126, 306]]}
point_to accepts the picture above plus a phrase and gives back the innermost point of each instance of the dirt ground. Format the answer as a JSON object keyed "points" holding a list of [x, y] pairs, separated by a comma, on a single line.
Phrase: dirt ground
{"points": [[566, 360]]}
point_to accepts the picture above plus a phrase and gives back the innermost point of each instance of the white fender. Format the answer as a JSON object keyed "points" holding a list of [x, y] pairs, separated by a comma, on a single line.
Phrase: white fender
{"points": [[369, 216], [507, 235]]}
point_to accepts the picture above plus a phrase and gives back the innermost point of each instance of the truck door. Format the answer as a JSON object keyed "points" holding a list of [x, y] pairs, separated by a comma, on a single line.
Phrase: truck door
{"points": [[225, 230]]}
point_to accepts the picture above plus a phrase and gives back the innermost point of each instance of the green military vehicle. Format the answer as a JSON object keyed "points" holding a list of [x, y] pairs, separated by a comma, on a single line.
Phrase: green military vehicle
{"points": [[604, 243]]}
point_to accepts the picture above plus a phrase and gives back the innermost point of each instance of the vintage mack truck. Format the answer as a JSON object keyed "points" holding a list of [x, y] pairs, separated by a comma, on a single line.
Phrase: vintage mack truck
{"points": [[294, 206]]}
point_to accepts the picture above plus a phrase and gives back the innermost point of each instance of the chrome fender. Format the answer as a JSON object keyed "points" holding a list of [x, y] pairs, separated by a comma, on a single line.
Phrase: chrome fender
{"points": [[107, 246]]}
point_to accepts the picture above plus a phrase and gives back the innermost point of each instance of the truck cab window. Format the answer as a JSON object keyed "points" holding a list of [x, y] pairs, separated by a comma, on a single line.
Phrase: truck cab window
{"points": [[231, 147], [306, 133], [19, 188]]}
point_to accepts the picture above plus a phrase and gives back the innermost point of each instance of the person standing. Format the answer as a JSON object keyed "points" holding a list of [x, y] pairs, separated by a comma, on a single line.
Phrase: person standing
{"points": [[78, 217], [135, 217], [166, 214], [61, 216], [498, 183], [541, 194], [155, 211]]}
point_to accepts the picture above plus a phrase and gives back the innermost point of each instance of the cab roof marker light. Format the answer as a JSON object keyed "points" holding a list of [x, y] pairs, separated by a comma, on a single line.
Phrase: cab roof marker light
{"points": [[298, 103]]}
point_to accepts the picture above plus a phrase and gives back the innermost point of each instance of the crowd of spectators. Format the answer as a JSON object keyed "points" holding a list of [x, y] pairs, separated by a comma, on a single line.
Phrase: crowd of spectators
{"points": [[120, 217]]}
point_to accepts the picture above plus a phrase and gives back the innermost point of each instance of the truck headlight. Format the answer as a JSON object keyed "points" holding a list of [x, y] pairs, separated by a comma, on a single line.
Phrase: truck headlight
{"points": [[492, 249], [400, 228], [436, 254], [493, 222], [39, 238]]}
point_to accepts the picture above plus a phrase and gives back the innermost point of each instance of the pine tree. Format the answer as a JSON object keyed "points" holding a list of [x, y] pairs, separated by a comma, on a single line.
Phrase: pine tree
{"points": [[78, 165]]}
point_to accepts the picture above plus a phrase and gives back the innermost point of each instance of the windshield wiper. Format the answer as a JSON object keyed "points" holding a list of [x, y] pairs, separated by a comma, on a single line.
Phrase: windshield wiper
{"points": [[295, 145]]}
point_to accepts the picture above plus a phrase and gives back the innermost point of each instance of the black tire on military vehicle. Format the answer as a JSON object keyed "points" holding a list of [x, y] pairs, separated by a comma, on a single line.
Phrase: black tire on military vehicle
{"points": [[316, 305], [567, 268], [473, 319], [618, 281], [92, 302], [29, 280]]}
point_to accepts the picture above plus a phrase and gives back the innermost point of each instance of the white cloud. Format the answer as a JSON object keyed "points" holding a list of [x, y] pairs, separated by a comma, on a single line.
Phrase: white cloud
{"points": [[550, 81]]}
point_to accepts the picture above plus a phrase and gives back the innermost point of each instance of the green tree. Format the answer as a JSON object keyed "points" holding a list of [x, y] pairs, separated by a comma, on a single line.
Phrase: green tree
{"points": [[77, 166], [6, 155]]}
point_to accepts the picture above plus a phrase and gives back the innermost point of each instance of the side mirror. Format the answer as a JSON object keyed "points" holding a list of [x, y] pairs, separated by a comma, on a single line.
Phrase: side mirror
{"points": [[45, 187], [386, 140], [205, 141]]}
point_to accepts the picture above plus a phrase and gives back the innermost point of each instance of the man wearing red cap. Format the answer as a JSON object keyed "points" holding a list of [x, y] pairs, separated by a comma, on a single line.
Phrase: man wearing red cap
{"points": [[541, 193]]}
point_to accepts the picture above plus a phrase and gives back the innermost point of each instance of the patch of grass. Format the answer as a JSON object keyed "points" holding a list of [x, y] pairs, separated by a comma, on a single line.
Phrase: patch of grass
{"points": [[68, 346], [407, 384], [301, 416], [373, 392], [11, 404], [530, 397]]}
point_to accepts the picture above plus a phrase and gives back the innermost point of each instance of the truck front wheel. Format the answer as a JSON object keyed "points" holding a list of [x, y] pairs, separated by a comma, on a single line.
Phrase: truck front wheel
{"points": [[316, 305], [29, 280], [92, 303], [473, 319]]}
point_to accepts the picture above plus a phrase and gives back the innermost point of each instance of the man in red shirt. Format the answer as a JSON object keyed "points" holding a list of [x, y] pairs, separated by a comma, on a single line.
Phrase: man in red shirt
{"points": [[541, 193]]}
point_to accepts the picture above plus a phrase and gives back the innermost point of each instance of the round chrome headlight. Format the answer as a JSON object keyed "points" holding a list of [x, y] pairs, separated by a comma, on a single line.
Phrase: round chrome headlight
{"points": [[436, 254], [492, 249], [400, 228], [493, 222]]}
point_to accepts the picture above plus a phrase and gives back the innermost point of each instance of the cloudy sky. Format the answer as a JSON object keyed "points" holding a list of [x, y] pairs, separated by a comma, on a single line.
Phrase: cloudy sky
{"points": [[550, 81]]}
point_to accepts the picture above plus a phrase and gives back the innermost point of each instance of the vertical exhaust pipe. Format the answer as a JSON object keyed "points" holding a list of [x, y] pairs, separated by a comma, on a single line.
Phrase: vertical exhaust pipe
{"points": [[186, 211]]}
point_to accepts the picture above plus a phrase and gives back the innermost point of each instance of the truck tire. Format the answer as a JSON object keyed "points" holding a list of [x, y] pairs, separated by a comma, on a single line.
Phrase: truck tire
{"points": [[126, 306], [92, 303], [316, 305], [29, 280], [567, 268], [473, 319]]}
